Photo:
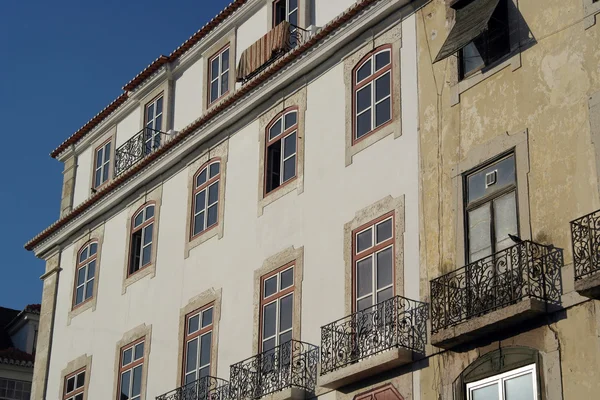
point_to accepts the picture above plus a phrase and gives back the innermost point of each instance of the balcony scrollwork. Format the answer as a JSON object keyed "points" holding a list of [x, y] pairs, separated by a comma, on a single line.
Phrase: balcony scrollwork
{"points": [[395, 323], [205, 388], [585, 234], [139, 146], [526, 270], [290, 365]]}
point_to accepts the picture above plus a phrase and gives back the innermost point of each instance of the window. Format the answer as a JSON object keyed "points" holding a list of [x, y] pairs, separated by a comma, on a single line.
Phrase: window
{"points": [[518, 384], [285, 10], [219, 74], [373, 260], [140, 254], [102, 164], [372, 82], [206, 198], [131, 367], [276, 308], [198, 344], [86, 272], [14, 390], [153, 124], [490, 46], [491, 208], [281, 152], [75, 386]]}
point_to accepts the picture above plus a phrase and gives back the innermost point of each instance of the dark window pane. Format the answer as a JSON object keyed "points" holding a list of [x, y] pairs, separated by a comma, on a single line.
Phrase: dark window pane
{"points": [[136, 251], [70, 384], [280, 12], [139, 219], [470, 58], [225, 60], [270, 286], [214, 69], [158, 127], [97, 178], [200, 202], [80, 380], [224, 83], [383, 112], [284, 338], [214, 169], [364, 274], [207, 317], [363, 124], [107, 152], [273, 166], [384, 231], [287, 279], [275, 130], [505, 176], [159, 106], [91, 269], [382, 86], [364, 71], [89, 289], [293, 4], [137, 381], [149, 212], [385, 294], [214, 91], [93, 248], [293, 18], [193, 324], [199, 223], [139, 351], [105, 172], [150, 113], [381, 60], [269, 322], [364, 240], [204, 372], [81, 276], [291, 119], [289, 168], [205, 341], [189, 378], [289, 146], [127, 356], [84, 255], [201, 178], [146, 255], [191, 355], [212, 215], [479, 233], [384, 267], [78, 397], [148, 233], [363, 99], [364, 303], [268, 344], [79, 295], [213, 193], [285, 312]]}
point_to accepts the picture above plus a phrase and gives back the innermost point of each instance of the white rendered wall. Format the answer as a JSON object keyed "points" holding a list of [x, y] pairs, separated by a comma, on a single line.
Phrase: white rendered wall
{"points": [[83, 177], [326, 10], [188, 96], [128, 126], [251, 30]]}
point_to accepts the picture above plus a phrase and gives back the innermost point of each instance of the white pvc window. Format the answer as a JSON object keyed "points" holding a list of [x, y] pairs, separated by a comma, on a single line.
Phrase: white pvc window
{"points": [[198, 341], [141, 239], [86, 272], [219, 74], [518, 384], [102, 165], [206, 198], [131, 368], [277, 309], [153, 118], [282, 143]]}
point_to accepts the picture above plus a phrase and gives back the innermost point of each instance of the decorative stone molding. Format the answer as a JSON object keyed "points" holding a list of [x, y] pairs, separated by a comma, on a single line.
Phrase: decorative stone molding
{"points": [[66, 202], [139, 332], [594, 110], [590, 9], [77, 364]]}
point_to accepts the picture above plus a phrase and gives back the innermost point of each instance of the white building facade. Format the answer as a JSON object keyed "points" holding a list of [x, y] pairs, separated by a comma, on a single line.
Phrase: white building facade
{"points": [[256, 185]]}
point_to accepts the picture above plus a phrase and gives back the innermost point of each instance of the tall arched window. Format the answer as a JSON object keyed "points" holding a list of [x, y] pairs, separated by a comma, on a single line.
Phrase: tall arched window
{"points": [[142, 230], [86, 273], [281, 149], [205, 208], [372, 92]]}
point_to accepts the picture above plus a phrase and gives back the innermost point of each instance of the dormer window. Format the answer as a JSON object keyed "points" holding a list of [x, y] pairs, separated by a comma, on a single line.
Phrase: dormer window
{"points": [[285, 10], [102, 164]]}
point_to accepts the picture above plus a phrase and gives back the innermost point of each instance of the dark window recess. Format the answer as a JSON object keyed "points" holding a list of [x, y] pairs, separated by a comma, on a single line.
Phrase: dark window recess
{"points": [[285, 10], [279, 11], [274, 166], [136, 252]]}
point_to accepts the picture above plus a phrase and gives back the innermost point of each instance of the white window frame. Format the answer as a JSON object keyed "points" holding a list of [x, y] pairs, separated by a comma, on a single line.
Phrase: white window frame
{"points": [[501, 378], [75, 393], [150, 139], [123, 369], [209, 330], [219, 78], [282, 136], [135, 229], [99, 170], [277, 300], [207, 185], [85, 265]]}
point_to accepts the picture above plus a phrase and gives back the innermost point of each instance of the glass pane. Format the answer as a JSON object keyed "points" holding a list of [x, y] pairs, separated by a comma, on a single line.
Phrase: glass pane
{"points": [[138, 219], [364, 303], [191, 377], [205, 341], [293, 18], [275, 130], [225, 60], [286, 305], [383, 86], [81, 276], [207, 317], [270, 312], [214, 169], [485, 393], [214, 91], [471, 59], [364, 240], [290, 119], [268, 344], [93, 248], [381, 60], [384, 230], [137, 381], [199, 223], [80, 380], [191, 355], [289, 168], [84, 255], [224, 83], [293, 4], [213, 193], [479, 233], [193, 323], [385, 294], [79, 295], [148, 234], [89, 289], [107, 152], [99, 157], [289, 145], [214, 68], [91, 269], [125, 377], [505, 175], [150, 113], [127, 356], [519, 388], [287, 278], [273, 166], [204, 372], [139, 351], [383, 112], [78, 397], [105, 172], [364, 274], [363, 124], [97, 178], [201, 179], [505, 214], [211, 218], [364, 71], [159, 106], [363, 99], [285, 337], [70, 384], [146, 255], [384, 268], [270, 286], [149, 212], [200, 202]]}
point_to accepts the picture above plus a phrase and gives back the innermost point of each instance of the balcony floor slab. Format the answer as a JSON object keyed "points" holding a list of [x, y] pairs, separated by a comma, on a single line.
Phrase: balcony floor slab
{"points": [[291, 393], [589, 286], [478, 327], [365, 368]]}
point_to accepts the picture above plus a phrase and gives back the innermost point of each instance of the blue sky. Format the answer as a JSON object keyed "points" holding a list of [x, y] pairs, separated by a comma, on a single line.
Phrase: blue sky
{"points": [[62, 62]]}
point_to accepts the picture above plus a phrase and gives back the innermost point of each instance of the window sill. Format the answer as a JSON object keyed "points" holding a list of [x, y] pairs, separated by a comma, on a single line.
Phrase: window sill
{"points": [[591, 9], [149, 269], [81, 308], [513, 60], [204, 236], [276, 194]]}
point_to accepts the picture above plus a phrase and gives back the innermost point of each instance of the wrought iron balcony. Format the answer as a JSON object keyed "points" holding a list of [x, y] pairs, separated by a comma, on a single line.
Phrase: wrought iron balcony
{"points": [[527, 270], [206, 388], [395, 323], [585, 234], [290, 365], [139, 146]]}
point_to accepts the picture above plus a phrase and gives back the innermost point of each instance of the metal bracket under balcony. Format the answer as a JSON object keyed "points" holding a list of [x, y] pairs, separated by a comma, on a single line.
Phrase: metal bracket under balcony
{"points": [[139, 146], [495, 292], [585, 234], [371, 341], [288, 371], [205, 388]]}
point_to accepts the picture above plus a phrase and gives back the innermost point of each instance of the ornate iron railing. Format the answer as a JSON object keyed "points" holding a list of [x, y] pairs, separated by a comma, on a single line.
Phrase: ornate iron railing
{"points": [[206, 388], [298, 37], [397, 322], [525, 270], [585, 234], [139, 146], [291, 364]]}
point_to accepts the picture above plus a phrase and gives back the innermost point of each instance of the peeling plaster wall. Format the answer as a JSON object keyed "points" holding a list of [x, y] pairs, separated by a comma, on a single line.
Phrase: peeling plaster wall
{"points": [[548, 96]]}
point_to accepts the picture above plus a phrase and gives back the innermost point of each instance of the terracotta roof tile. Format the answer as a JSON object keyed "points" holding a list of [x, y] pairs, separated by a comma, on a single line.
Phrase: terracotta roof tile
{"points": [[16, 357]]}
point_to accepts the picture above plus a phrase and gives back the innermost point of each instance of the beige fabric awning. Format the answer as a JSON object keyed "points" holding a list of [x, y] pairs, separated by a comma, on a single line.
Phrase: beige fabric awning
{"points": [[257, 55]]}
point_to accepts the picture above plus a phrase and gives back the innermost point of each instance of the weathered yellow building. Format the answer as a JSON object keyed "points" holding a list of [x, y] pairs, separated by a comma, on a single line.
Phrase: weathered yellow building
{"points": [[509, 98]]}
